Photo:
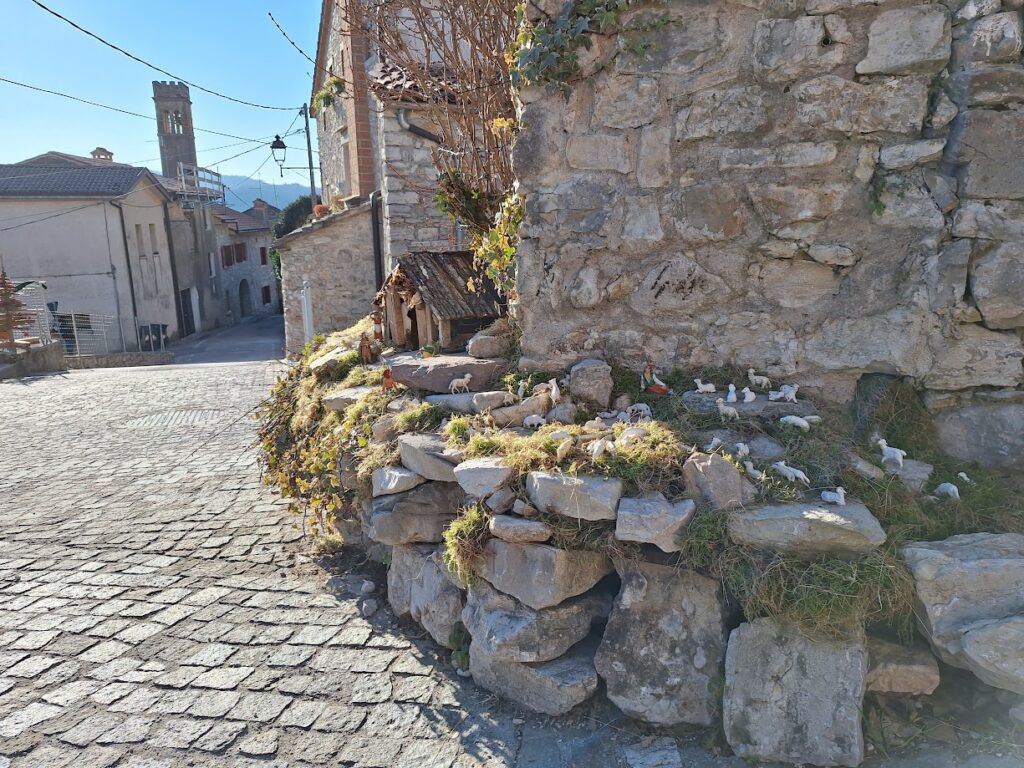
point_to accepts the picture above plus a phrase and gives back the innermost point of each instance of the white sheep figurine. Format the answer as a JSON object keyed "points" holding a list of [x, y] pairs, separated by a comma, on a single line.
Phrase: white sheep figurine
{"points": [[727, 412], [742, 450], [963, 476], [521, 392], [837, 497], [753, 471], [706, 389], [748, 396], [556, 393], [596, 424], [714, 445], [892, 454], [796, 421], [791, 473], [563, 449], [600, 447], [947, 489], [789, 392], [630, 436], [759, 381], [731, 397], [639, 412], [559, 434], [533, 421], [460, 384]]}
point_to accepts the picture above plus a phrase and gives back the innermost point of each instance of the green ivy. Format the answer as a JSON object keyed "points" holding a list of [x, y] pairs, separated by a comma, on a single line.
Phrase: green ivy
{"points": [[494, 252]]}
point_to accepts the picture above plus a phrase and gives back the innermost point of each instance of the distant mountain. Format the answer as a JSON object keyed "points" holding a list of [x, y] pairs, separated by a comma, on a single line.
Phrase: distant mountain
{"points": [[243, 191]]}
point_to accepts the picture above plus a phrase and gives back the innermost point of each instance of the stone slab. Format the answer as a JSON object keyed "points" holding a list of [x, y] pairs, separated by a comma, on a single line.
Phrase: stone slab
{"points": [[435, 374]]}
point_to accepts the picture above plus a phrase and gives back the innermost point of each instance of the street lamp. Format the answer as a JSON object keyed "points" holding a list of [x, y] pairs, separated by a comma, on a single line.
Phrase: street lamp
{"points": [[279, 149]]}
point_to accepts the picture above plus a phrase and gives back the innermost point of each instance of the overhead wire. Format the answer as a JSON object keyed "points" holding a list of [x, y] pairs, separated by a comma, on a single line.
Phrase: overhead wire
{"points": [[152, 66]]}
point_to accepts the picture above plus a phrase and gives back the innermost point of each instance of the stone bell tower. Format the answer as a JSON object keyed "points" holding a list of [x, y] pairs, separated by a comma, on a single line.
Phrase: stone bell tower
{"points": [[174, 126]]}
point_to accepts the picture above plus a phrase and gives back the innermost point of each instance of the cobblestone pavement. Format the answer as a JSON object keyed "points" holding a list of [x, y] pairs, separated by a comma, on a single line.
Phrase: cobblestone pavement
{"points": [[156, 607]]}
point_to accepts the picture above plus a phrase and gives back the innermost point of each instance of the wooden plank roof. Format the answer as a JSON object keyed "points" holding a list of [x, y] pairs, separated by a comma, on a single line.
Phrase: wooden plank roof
{"points": [[441, 280]]}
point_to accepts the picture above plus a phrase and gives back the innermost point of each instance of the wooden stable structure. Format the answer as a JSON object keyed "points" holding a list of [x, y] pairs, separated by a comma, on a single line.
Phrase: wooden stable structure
{"points": [[426, 301]]}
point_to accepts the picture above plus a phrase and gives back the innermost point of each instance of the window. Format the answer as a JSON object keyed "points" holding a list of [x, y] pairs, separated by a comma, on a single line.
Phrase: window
{"points": [[227, 256], [263, 255], [140, 247], [152, 239], [240, 254], [266, 294]]}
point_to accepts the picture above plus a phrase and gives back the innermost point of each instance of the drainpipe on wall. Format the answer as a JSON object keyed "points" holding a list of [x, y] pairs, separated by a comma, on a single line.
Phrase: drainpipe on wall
{"points": [[131, 278], [378, 250], [416, 130], [174, 275]]}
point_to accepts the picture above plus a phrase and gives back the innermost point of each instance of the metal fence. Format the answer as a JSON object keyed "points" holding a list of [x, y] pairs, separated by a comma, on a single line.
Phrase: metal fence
{"points": [[32, 297]]}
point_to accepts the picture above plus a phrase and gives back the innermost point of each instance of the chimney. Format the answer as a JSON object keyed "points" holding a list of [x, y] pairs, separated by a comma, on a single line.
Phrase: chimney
{"points": [[102, 154]]}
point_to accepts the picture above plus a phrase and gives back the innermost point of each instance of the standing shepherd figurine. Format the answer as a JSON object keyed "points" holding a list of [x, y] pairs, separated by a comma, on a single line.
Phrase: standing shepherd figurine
{"points": [[387, 383], [651, 384], [365, 349]]}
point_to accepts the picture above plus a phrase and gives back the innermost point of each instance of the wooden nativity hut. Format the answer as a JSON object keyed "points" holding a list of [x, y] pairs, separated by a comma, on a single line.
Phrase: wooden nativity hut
{"points": [[426, 301]]}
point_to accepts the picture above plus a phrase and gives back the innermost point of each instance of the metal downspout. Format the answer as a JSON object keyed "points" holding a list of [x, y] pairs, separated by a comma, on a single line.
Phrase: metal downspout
{"points": [[378, 250]]}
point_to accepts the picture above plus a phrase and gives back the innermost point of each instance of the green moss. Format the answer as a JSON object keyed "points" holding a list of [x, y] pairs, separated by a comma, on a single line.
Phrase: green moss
{"points": [[625, 382], [419, 418], [457, 430], [464, 540]]}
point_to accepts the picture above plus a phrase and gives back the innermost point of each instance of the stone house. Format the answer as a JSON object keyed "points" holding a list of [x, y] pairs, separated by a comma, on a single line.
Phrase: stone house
{"points": [[821, 193], [246, 281], [378, 177]]}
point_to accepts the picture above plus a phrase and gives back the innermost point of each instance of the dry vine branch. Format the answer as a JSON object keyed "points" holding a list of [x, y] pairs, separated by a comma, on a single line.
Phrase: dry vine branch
{"points": [[449, 57]]}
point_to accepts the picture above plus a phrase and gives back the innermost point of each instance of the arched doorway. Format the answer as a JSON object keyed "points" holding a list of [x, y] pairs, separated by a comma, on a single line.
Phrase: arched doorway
{"points": [[244, 298]]}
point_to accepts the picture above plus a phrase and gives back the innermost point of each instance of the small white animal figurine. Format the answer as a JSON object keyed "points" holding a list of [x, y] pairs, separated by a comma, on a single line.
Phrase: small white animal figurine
{"points": [[758, 381], [892, 454], [789, 392], [812, 419], [522, 389], [630, 436], [599, 448], [742, 450], [963, 476], [731, 397], [748, 396], [947, 489], [460, 384], [790, 473], [639, 412], [753, 471], [564, 382], [796, 421], [714, 445], [563, 449], [702, 387], [533, 421], [595, 424], [837, 497], [775, 395], [727, 412], [559, 434], [556, 393]]}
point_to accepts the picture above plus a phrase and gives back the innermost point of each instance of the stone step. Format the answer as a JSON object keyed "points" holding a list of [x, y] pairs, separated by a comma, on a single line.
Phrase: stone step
{"points": [[808, 528], [341, 399], [761, 408], [435, 374]]}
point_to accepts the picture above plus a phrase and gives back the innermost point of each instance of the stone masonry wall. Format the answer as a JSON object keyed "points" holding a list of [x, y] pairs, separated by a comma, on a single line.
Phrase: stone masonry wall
{"points": [[411, 219], [817, 188], [336, 255]]}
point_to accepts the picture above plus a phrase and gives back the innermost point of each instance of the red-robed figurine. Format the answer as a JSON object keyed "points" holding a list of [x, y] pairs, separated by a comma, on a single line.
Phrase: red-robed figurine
{"points": [[651, 384]]}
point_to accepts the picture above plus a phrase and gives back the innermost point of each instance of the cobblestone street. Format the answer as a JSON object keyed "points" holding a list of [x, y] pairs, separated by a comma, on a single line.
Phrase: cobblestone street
{"points": [[157, 608]]}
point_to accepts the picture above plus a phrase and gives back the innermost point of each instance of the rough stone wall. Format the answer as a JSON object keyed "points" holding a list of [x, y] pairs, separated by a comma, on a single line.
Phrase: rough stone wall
{"points": [[411, 219], [817, 188], [335, 255], [251, 271]]}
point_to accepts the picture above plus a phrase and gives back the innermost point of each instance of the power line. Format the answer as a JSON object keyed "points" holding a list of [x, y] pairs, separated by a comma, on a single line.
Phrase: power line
{"points": [[295, 45], [112, 109], [51, 216], [156, 68]]}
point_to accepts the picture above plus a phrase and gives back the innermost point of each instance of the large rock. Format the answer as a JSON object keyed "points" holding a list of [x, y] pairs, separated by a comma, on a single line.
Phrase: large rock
{"points": [[964, 581], [513, 415], [407, 563], [430, 456], [519, 530], [539, 575], [719, 112], [471, 402], [582, 497], [976, 357], [340, 399], [418, 516], [994, 651], [652, 520], [714, 481], [327, 364], [831, 103], [508, 630], [481, 477], [435, 600], [663, 646], [989, 145], [903, 156], [988, 85], [390, 480], [551, 687], [792, 699], [484, 346], [907, 671], [784, 207], [788, 49], [997, 285], [435, 374], [591, 380], [992, 39], [808, 529], [987, 433], [907, 41], [913, 474]]}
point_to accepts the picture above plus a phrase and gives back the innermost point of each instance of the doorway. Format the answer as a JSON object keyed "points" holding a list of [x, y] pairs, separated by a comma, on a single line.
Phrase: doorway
{"points": [[244, 299], [188, 317]]}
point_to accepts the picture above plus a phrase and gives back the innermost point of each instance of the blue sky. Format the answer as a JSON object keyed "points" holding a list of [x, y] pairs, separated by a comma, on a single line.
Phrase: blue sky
{"points": [[226, 45]]}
